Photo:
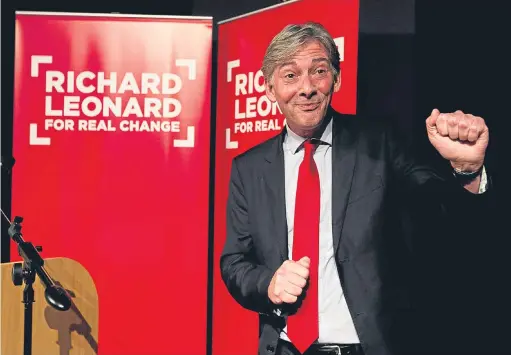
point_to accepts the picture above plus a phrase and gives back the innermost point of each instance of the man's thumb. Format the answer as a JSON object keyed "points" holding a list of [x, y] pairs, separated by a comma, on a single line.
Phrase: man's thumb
{"points": [[305, 261], [431, 120]]}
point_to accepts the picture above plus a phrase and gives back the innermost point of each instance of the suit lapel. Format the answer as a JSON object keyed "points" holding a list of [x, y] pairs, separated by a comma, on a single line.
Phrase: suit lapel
{"points": [[274, 181], [344, 154]]}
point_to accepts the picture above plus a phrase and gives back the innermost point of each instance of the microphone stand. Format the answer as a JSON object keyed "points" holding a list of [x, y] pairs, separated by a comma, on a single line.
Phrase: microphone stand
{"points": [[26, 272]]}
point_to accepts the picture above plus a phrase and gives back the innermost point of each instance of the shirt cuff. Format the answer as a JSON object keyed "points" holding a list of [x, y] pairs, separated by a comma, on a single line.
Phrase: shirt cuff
{"points": [[483, 185], [275, 312]]}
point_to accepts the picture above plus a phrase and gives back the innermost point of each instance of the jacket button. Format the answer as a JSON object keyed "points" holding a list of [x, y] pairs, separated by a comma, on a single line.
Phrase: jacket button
{"points": [[270, 348]]}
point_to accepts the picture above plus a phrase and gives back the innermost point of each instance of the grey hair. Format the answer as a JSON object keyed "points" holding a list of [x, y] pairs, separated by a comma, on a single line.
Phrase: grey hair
{"points": [[288, 41]]}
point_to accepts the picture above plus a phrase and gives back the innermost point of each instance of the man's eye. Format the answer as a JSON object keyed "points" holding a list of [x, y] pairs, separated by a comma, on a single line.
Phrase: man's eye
{"points": [[289, 76], [321, 71]]}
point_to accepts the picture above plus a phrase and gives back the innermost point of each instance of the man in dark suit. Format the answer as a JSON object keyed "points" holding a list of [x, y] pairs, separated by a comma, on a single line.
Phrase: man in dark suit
{"points": [[309, 245]]}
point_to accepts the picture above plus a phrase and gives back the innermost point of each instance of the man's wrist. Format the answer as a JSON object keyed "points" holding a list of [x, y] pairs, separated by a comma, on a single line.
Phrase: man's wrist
{"points": [[467, 168], [467, 173], [467, 177]]}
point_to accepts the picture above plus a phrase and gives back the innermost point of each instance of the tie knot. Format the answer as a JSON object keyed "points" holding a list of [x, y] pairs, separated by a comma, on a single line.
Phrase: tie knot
{"points": [[309, 147]]}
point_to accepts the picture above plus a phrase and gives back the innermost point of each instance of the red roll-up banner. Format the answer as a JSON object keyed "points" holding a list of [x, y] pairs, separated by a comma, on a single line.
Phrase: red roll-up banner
{"points": [[112, 141], [245, 117]]}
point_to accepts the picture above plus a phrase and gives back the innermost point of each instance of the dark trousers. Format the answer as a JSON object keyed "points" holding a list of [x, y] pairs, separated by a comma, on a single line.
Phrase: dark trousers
{"points": [[287, 348]]}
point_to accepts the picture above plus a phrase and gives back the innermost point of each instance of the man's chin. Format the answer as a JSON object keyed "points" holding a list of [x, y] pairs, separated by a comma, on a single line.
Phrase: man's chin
{"points": [[313, 118], [311, 124]]}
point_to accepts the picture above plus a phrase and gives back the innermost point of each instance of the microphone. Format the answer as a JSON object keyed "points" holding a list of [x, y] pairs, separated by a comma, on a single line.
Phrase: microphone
{"points": [[56, 296]]}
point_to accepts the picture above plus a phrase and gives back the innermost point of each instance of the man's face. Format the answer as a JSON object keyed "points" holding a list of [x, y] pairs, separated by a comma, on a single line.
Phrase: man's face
{"points": [[303, 87]]}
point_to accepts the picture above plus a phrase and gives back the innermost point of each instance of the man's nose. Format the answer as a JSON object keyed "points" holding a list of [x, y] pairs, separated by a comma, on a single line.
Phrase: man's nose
{"points": [[308, 89]]}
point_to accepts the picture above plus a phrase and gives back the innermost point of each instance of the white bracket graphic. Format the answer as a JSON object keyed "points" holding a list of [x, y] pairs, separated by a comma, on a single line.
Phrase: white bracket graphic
{"points": [[35, 60], [339, 41], [192, 67], [230, 66], [34, 139], [228, 143], [189, 142]]}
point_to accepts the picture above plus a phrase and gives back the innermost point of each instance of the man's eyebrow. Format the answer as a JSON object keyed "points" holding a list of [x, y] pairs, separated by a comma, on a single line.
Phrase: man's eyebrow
{"points": [[322, 59]]}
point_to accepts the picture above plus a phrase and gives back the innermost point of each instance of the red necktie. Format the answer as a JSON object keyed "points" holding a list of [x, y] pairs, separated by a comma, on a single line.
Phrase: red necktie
{"points": [[303, 327]]}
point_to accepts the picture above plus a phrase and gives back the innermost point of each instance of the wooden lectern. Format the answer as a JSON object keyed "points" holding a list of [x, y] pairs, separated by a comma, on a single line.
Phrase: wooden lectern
{"points": [[72, 332]]}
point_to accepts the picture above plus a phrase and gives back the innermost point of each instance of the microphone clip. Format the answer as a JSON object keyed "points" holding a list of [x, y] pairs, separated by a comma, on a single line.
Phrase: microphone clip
{"points": [[26, 250]]}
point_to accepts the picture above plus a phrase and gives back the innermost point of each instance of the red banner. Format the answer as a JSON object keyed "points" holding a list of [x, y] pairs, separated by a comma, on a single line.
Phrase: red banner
{"points": [[246, 117], [112, 140]]}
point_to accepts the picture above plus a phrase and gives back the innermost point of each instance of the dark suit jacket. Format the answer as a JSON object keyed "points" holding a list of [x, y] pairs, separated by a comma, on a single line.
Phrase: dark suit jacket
{"points": [[369, 166]]}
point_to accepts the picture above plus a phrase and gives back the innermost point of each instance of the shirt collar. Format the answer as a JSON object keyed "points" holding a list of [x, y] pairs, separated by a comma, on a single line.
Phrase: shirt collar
{"points": [[293, 142]]}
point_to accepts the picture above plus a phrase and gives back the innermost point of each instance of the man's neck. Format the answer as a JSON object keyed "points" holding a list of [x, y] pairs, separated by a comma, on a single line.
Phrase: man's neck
{"points": [[315, 132]]}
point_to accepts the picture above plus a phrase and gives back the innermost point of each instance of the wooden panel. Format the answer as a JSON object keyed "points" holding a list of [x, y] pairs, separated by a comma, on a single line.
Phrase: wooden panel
{"points": [[73, 332]]}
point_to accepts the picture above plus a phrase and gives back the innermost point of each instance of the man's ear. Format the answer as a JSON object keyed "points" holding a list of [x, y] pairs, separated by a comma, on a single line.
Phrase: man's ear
{"points": [[270, 91], [337, 83]]}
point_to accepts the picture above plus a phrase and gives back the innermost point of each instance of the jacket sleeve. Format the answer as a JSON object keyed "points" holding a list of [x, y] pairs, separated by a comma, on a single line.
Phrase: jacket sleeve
{"points": [[435, 179], [246, 280]]}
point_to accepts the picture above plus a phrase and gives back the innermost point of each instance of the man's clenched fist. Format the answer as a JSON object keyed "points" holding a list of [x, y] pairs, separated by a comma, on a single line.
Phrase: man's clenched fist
{"points": [[289, 281], [460, 138]]}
